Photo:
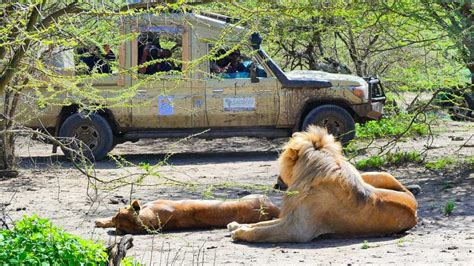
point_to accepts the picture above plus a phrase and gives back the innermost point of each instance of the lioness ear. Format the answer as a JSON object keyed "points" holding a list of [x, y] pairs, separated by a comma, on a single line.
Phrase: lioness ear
{"points": [[136, 205]]}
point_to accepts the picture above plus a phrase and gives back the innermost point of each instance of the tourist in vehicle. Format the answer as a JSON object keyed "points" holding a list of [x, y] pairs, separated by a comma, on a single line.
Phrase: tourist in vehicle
{"points": [[94, 59], [152, 53], [219, 66], [235, 64], [166, 65], [230, 66], [109, 55]]}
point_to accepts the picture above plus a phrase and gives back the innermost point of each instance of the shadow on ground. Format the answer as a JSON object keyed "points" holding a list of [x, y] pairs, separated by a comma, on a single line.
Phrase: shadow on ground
{"points": [[186, 158]]}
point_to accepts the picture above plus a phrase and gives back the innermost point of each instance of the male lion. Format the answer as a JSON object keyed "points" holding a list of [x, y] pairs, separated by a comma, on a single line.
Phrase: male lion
{"points": [[189, 214], [327, 195]]}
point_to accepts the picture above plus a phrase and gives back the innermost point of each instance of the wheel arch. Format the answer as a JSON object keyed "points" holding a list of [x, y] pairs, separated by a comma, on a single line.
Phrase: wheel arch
{"points": [[66, 111], [310, 105]]}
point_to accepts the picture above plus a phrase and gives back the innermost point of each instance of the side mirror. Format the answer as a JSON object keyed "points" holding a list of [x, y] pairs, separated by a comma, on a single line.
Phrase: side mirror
{"points": [[256, 40]]}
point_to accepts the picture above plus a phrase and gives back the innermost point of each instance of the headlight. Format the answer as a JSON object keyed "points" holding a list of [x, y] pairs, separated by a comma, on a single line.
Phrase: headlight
{"points": [[361, 91]]}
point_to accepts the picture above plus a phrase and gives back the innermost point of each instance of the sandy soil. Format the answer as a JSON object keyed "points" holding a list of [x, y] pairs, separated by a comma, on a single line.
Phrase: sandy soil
{"points": [[50, 187]]}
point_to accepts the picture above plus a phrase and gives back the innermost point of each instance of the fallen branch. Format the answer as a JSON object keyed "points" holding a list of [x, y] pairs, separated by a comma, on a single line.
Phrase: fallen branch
{"points": [[117, 252]]}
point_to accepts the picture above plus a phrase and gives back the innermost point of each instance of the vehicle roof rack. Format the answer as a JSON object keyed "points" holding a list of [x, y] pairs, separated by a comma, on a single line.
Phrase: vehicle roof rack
{"points": [[220, 17], [149, 3]]}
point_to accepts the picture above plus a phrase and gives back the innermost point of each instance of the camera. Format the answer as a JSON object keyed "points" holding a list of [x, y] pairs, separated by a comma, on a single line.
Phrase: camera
{"points": [[154, 51]]}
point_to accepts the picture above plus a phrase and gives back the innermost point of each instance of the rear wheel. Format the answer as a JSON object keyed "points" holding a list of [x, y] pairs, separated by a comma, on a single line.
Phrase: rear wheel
{"points": [[92, 134], [335, 118]]}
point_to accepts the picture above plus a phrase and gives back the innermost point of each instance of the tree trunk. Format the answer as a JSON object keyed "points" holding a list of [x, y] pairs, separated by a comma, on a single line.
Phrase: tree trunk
{"points": [[7, 145], [7, 155]]}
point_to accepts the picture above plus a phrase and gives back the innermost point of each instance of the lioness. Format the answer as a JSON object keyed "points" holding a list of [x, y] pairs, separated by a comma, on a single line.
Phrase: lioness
{"points": [[189, 214], [327, 195]]}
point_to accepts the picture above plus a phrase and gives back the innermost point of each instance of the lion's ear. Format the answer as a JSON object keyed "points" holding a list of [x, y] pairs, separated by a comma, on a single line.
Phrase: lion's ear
{"points": [[296, 134], [136, 205], [292, 154]]}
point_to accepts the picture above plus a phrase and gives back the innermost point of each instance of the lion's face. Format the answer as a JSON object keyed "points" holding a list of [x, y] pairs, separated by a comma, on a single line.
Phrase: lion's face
{"points": [[313, 139], [126, 220]]}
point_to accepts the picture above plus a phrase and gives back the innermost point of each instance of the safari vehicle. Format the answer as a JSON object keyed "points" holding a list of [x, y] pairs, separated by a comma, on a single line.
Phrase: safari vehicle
{"points": [[266, 103]]}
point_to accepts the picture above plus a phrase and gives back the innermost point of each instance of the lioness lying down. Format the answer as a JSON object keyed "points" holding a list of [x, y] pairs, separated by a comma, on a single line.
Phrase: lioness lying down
{"points": [[327, 195], [189, 214]]}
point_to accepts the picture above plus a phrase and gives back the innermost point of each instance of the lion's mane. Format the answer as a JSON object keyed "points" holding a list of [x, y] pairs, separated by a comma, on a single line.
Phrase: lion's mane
{"points": [[318, 157]]}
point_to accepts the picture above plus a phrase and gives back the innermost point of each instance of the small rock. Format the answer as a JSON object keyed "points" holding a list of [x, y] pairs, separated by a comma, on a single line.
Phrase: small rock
{"points": [[113, 201], [31, 189], [452, 248], [283, 251], [243, 193], [21, 209], [211, 247]]}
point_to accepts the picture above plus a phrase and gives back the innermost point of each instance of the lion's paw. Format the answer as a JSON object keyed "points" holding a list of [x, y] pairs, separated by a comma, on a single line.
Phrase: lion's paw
{"points": [[235, 235], [233, 226], [241, 234]]}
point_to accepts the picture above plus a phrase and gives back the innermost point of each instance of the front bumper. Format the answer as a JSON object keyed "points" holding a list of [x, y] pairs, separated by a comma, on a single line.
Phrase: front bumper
{"points": [[371, 111]]}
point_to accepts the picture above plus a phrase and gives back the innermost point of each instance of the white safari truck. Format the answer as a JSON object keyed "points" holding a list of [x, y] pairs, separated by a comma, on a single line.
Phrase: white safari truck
{"points": [[239, 91]]}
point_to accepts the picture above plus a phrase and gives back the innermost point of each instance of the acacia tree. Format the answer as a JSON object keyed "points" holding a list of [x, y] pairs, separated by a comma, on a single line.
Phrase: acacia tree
{"points": [[31, 32], [456, 19]]}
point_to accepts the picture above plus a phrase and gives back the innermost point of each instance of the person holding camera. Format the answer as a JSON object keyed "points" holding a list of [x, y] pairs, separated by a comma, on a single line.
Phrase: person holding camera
{"points": [[150, 53]]}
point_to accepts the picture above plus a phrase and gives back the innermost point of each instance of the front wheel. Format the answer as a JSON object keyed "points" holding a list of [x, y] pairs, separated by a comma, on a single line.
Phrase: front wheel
{"points": [[336, 119], [94, 133]]}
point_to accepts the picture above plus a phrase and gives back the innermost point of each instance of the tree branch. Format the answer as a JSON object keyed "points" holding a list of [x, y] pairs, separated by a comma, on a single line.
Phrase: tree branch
{"points": [[9, 72]]}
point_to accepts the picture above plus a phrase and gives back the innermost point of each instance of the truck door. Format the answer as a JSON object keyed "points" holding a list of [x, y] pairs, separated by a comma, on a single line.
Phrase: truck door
{"points": [[233, 100], [162, 92]]}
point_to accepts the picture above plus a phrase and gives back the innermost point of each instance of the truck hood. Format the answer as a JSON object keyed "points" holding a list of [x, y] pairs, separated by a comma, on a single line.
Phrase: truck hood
{"points": [[340, 80]]}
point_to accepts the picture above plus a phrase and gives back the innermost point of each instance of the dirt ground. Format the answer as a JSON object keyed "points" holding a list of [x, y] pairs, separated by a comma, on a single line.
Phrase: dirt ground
{"points": [[50, 187]]}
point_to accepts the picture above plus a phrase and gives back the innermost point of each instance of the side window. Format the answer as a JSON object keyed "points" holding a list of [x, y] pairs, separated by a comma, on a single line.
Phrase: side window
{"points": [[93, 59], [231, 64], [159, 50]]}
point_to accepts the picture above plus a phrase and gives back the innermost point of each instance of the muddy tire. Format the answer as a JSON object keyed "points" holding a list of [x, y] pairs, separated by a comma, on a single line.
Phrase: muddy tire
{"points": [[336, 119], [93, 131]]}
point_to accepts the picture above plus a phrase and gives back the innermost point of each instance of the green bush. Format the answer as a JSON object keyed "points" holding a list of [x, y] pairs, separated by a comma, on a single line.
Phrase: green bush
{"points": [[451, 163], [371, 162], [35, 241], [440, 163], [398, 158], [395, 158], [391, 126], [449, 208]]}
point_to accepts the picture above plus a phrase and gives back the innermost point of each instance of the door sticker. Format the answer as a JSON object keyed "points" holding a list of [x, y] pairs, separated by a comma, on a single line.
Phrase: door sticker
{"points": [[165, 105], [239, 104], [198, 102]]}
